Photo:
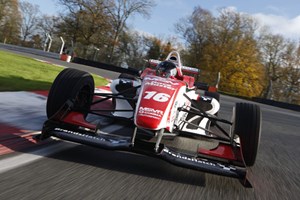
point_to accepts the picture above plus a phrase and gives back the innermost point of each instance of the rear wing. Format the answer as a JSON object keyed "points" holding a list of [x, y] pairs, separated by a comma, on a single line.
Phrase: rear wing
{"points": [[190, 70]]}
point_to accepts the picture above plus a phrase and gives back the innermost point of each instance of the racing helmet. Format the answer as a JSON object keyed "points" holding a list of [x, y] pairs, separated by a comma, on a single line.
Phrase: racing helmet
{"points": [[166, 69]]}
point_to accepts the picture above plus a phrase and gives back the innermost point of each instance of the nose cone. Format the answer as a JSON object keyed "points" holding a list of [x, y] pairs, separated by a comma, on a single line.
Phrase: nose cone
{"points": [[155, 102]]}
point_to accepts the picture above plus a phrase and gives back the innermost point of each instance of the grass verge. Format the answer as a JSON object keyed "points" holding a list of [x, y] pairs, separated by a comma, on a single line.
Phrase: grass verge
{"points": [[19, 73]]}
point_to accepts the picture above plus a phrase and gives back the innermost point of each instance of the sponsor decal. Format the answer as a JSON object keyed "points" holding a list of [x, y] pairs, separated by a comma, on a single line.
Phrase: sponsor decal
{"points": [[150, 112], [160, 97], [161, 80], [228, 168], [206, 99], [160, 84], [90, 136], [192, 159], [79, 134], [125, 81]]}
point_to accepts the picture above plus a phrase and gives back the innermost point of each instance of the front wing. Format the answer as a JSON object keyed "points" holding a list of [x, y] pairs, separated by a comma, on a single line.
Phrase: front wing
{"points": [[224, 160]]}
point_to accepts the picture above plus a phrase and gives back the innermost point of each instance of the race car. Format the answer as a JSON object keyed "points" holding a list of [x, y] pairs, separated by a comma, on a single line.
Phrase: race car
{"points": [[161, 113]]}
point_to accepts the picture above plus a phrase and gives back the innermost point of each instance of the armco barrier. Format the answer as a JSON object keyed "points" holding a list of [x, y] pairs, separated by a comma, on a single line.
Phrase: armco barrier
{"points": [[105, 66], [30, 50], [277, 104]]}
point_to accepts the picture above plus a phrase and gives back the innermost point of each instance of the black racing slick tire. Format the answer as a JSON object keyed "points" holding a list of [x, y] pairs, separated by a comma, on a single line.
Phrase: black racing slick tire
{"points": [[247, 125], [71, 84]]}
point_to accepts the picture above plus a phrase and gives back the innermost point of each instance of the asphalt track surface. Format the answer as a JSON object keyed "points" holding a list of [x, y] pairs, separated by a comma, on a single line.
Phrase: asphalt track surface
{"points": [[82, 172]]}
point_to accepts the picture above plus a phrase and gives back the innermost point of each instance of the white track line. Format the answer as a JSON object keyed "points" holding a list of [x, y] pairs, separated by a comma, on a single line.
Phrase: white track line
{"points": [[26, 158]]}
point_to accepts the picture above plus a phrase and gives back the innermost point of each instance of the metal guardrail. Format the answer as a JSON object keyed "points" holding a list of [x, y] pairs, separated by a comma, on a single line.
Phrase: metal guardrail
{"points": [[30, 50], [278, 104], [293, 107], [105, 66]]}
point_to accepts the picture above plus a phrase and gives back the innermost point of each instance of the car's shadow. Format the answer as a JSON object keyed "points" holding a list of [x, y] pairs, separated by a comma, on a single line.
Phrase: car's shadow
{"points": [[131, 163]]}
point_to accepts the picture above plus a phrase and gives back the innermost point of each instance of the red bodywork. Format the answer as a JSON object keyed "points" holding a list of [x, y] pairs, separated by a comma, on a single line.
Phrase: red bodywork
{"points": [[156, 101]]}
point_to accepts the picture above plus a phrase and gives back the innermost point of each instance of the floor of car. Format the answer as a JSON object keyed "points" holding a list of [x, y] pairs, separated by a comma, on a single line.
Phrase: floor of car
{"points": [[119, 128]]}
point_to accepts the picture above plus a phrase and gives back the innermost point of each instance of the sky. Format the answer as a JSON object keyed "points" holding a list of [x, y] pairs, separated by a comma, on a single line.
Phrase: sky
{"points": [[282, 16]]}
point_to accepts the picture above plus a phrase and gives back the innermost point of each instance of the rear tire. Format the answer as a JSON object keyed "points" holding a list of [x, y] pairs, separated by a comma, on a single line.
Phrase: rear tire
{"points": [[247, 125], [71, 84]]}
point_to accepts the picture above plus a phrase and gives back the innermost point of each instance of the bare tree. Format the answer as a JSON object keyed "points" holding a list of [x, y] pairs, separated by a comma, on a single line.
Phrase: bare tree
{"points": [[272, 49], [30, 16], [99, 23], [3, 8], [47, 24], [9, 21], [196, 31], [289, 84], [132, 49], [86, 24], [120, 11]]}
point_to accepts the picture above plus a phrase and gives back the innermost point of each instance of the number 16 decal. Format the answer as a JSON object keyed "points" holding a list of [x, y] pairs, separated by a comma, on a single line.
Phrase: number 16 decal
{"points": [[160, 97]]}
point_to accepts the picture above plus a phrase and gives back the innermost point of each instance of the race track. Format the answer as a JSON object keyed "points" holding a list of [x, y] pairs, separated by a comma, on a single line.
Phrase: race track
{"points": [[82, 172]]}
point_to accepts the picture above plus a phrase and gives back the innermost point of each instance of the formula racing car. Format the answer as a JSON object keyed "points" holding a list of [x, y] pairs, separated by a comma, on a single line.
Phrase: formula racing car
{"points": [[161, 112]]}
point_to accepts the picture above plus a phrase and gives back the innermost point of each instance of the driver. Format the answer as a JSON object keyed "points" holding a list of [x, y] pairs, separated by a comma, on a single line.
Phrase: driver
{"points": [[166, 69], [126, 85]]}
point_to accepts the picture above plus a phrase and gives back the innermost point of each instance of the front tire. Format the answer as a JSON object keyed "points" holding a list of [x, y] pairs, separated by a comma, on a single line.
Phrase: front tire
{"points": [[70, 84], [247, 125]]}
